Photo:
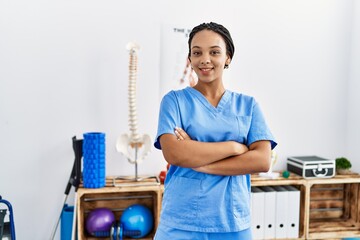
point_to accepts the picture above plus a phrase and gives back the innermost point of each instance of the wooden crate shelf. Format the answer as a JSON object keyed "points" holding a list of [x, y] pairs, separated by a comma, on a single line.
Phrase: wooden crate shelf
{"points": [[293, 180], [334, 210], [117, 199], [329, 208]]}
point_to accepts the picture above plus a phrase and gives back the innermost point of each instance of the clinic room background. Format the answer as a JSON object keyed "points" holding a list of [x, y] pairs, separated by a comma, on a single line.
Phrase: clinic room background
{"points": [[64, 72]]}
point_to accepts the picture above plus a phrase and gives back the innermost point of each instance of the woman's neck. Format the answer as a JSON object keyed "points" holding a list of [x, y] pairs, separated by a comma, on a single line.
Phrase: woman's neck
{"points": [[212, 92]]}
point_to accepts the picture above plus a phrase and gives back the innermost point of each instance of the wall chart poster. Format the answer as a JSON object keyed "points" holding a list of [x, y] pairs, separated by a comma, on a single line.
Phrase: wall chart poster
{"points": [[176, 72]]}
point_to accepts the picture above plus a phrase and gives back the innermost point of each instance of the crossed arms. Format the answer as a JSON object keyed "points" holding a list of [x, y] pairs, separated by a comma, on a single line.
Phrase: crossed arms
{"points": [[219, 158]]}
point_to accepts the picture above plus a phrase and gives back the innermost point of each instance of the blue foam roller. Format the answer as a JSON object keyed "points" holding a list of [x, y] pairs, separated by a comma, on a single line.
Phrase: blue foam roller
{"points": [[94, 160]]}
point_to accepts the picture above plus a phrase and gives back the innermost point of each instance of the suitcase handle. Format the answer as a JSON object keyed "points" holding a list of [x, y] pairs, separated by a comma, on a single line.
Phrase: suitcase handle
{"points": [[321, 173]]}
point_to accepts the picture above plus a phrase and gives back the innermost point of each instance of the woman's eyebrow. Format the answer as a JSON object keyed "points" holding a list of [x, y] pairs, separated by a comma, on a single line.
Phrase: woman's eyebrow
{"points": [[215, 46]]}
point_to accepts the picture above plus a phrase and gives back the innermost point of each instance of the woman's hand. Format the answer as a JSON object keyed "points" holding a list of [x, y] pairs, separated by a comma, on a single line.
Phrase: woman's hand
{"points": [[181, 134]]}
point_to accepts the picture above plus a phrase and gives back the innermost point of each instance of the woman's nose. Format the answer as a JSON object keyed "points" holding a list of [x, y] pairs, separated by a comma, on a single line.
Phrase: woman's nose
{"points": [[205, 58], [205, 61]]}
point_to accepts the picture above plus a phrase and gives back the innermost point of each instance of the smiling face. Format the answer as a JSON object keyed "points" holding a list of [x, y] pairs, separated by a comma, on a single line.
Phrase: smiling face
{"points": [[208, 56]]}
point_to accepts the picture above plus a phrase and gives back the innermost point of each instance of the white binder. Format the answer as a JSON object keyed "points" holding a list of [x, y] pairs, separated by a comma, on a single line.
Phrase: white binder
{"points": [[257, 212], [293, 211], [281, 212], [269, 212]]}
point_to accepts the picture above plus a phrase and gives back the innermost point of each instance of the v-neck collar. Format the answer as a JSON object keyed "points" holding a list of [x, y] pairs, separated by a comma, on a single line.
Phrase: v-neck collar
{"points": [[222, 103]]}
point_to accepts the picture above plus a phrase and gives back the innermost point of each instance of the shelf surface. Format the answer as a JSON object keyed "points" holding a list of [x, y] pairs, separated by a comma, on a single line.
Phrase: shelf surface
{"points": [[295, 179]]}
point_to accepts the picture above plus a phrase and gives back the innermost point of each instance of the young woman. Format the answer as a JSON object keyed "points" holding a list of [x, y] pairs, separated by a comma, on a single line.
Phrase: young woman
{"points": [[214, 139]]}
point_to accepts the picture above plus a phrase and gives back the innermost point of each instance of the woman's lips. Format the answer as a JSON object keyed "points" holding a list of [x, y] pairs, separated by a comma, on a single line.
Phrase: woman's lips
{"points": [[205, 70]]}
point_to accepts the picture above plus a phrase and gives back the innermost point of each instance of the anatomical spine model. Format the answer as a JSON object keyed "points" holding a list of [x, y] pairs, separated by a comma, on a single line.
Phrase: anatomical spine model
{"points": [[134, 146]]}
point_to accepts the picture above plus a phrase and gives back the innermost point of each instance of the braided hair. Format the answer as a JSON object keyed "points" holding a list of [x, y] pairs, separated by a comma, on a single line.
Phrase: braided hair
{"points": [[218, 28]]}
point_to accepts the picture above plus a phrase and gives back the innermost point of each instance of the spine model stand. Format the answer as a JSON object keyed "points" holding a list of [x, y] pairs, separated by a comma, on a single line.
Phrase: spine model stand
{"points": [[133, 68], [133, 146]]}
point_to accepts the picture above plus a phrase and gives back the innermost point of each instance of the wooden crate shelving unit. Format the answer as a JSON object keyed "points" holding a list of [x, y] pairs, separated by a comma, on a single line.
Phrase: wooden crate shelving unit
{"points": [[117, 199], [334, 207], [293, 180], [329, 208]]}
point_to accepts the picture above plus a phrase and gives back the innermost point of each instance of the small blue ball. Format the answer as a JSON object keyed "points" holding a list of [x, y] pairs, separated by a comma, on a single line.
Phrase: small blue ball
{"points": [[137, 217]]}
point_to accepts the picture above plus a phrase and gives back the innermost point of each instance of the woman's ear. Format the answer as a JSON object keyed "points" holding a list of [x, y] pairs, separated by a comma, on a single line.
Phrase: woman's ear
{"points": [[227, 63], [228, 60]]}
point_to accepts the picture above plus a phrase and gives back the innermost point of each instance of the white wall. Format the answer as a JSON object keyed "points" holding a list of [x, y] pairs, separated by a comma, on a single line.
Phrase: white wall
{"points": [[353, 116], [63, 72], [293, 56]]}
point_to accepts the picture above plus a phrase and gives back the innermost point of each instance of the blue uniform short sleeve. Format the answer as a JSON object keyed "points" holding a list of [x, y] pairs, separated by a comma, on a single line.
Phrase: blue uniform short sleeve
{"points": [[169, 117], [259, 129]]}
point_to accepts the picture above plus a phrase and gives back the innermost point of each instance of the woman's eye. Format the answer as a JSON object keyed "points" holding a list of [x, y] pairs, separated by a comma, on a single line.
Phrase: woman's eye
{"points": [[215, 52], [196, 53]]}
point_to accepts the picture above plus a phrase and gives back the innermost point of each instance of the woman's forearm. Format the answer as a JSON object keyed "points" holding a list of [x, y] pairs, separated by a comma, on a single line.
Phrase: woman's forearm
{"points": [[257, 159], [193, 154]]}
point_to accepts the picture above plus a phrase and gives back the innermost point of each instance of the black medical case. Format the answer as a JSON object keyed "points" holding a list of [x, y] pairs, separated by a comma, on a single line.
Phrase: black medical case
{"points": [[311, 166]]}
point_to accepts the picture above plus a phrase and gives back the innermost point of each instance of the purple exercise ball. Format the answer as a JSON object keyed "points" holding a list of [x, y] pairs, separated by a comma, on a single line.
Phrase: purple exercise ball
{"points": [[99, 219]]}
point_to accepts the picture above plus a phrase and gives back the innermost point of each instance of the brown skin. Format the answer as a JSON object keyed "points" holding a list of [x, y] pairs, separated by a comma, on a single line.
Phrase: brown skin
{"points": [[194, 154], [208, 58]]}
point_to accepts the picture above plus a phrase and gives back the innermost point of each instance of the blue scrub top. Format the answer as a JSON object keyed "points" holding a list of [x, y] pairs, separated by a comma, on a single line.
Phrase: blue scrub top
{"points": [[195, 201]]}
